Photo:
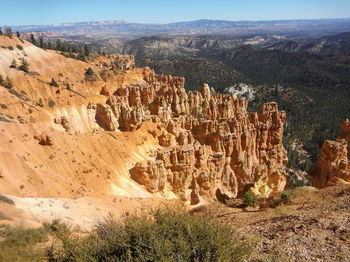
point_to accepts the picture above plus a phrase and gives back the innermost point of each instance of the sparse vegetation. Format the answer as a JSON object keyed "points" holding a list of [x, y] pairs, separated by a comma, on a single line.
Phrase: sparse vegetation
{"points": [[24, 65], [165, 235], [10, 47], [90, 75], [8, 32], [250, 199], [18, 244], [54, 83], [104, 74], [19, 95], [13, 64], [68, 49], [287, 196], [19, 47], [52, 103], [8, 83]]}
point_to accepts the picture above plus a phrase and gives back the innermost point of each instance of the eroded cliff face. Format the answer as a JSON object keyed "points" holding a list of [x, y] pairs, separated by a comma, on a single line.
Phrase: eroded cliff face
{"points": [[210, 147], [333, 165], [123, 129]]}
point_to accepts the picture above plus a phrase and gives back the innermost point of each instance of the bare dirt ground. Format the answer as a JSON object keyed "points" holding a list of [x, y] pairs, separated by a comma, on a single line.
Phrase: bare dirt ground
{"points": [[313, 226]]}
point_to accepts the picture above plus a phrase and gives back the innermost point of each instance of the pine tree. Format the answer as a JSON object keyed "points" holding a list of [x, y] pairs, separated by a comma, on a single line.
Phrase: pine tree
{"points": [[41, 42], [58, 45], [86, 50], [18, 34], [1, 32], [8, 31], [32, 39]]}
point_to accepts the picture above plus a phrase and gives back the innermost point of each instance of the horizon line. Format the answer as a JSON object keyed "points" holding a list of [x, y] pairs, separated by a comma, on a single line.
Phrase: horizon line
{"points": [[187, 21]]}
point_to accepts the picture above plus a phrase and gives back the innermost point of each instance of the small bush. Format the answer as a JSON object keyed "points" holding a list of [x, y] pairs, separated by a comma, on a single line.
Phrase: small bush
{"points": [[24, 65], [164, 235], [10, 47], [250, 199], [54, 83], [13, 64], [40, 102], [52, 103], [90, 75], [286, 197], [19, 47], [8, 83], [58, 228], [105, 74]]}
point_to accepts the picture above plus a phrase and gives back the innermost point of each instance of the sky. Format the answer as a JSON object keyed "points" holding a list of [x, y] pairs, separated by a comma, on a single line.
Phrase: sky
{"points": [[37, 12]]}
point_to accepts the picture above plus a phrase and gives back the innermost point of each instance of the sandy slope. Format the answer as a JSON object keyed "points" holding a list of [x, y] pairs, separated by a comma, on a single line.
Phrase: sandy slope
{"points": [[82, 212]]}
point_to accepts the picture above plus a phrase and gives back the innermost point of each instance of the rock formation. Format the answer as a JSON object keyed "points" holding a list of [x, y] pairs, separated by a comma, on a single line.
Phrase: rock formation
{"points": [[131, 132], [210, 147], [333, 164]]}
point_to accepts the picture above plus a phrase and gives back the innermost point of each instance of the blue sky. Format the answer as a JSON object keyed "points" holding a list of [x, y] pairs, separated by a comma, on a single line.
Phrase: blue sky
{"points": [[24, 12]]}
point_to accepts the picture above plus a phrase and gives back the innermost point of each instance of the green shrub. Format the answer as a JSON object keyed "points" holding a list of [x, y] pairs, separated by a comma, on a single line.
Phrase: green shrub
{"points": [[250, 199], [10, 47], [287, 196], [164, 235], [58, 228], [19, 47], [90, 75]]}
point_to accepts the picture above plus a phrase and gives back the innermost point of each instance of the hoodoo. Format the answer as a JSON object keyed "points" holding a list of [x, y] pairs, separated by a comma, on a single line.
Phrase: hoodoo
{"points": [[333, 165]]}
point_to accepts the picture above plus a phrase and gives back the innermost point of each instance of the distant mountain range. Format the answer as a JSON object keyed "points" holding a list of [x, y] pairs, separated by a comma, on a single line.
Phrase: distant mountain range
{"points": [[124, 29]]}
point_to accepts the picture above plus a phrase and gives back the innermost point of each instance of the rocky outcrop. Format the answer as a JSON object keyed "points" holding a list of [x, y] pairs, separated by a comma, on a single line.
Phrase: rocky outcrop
{"points": [[333, 164], [210, 147]]}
